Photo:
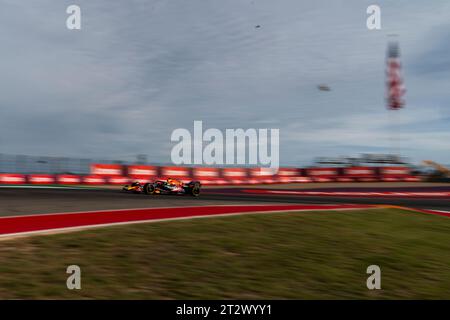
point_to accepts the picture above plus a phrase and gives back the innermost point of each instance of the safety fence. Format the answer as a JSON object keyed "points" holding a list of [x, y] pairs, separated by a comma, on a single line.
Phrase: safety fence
{"points": [[116, 174]]}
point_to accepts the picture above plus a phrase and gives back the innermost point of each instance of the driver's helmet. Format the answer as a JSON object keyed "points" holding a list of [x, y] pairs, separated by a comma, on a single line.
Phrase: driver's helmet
{"points": [[136, 183], [173, 182]]}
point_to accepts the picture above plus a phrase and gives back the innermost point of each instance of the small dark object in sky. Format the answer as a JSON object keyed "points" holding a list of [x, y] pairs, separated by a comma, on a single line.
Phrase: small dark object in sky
{"points": [[323, 87], [257, 26]]}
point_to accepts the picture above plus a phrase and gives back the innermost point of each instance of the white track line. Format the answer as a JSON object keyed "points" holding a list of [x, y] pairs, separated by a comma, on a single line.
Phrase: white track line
{"points": [[442, 211]]}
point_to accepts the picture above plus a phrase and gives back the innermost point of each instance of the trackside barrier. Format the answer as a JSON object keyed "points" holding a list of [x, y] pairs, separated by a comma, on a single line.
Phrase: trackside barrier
{"points": [[118, 180], [68, 179], [394, 174], [93, 180], [7, 178], [345, 179], [102, 169], [283, 175], [412, 179], [235, 176], [208, 176], [142, 173], [362, 174], [286, 175], [394, 171], [261, 175], [322, 174], [290, 175], [216, 176], [181, 173], [41, 179], [390, 179]]}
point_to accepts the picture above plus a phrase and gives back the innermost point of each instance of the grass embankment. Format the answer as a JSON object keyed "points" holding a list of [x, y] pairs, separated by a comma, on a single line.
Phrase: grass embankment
{"points": [[285, 255]]}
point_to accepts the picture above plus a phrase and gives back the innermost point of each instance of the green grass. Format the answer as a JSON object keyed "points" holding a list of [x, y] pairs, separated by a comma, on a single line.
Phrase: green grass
{"points": [[321, 255]]}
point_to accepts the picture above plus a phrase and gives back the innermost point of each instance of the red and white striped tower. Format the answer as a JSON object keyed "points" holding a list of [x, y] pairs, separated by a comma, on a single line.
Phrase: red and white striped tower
{"points": [[394, 81], [395, 91]]}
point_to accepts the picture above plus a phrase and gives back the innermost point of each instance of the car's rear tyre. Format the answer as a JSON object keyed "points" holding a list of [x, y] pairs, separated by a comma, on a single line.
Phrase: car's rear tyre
{"points": [[149, 188]]}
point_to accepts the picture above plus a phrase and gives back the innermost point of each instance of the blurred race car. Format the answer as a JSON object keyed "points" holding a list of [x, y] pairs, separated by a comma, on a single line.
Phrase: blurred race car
{"points": [[170, 186]]}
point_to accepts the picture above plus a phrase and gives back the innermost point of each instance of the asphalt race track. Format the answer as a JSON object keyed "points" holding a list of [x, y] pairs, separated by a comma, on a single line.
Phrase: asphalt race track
{"points": [[24, 201], [419, 203], [20, 201]]}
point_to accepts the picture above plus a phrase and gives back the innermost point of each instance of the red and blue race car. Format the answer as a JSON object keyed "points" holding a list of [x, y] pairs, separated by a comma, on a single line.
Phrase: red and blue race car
{"points": [[170, 186]]}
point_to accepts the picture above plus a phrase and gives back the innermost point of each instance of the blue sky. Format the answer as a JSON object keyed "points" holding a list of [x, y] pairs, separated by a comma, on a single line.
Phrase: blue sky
{"points": [[140, 69]]}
